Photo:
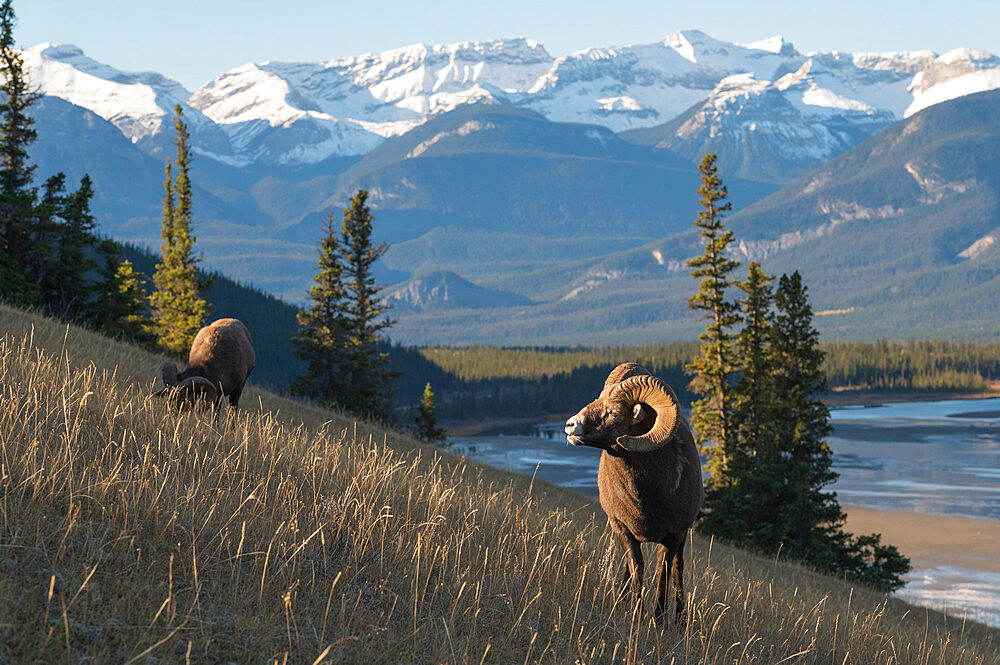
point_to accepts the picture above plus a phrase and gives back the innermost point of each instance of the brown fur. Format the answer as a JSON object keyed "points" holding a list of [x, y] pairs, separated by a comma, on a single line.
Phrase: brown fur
{"points": [[649, 497], [222, 353]]}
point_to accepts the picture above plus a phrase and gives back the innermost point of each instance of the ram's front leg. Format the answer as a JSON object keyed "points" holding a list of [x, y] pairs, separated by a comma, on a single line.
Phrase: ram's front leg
{"points": [[632, 583]]}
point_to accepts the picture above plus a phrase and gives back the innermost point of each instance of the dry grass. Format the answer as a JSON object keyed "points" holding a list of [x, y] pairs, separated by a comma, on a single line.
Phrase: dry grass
{"points": [[128, 534]]}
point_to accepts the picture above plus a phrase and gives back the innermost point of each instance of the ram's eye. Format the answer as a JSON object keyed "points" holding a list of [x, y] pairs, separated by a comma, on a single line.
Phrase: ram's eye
{"points": [[613, 414]]}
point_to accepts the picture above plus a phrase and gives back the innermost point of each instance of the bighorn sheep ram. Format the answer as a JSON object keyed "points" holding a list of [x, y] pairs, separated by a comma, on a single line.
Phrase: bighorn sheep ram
{"points": [[219, 363], [649, 479]]}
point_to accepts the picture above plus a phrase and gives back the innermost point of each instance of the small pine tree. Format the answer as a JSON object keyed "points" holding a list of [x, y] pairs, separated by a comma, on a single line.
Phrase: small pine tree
{"points": [[426, 418], [713, 369], [369, 392], [178, 310], [120, 307], [322, 341], [17, 198]]}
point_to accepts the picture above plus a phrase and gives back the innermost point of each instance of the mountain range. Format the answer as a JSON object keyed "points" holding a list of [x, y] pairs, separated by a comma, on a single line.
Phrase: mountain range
{"points": [[537, 199]]}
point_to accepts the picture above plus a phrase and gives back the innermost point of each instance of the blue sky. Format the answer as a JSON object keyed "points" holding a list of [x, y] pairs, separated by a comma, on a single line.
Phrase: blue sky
{"points": [[193, 41]]}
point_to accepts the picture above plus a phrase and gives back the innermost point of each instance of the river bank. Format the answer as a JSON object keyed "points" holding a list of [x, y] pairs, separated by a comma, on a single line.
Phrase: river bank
{"points": [[955, 560]]}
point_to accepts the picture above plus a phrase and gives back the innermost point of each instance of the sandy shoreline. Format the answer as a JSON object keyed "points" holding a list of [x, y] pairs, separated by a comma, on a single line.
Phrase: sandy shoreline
{"points": [[932, 540]]}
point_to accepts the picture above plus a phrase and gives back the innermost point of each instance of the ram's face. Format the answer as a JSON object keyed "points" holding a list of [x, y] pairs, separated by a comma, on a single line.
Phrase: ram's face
{"points": [[188, 395], [600, 423]]}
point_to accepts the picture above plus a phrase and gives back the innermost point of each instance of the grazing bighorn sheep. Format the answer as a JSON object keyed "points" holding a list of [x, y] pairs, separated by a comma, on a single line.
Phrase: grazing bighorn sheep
{"points": [[649, 478], [219, 363]]}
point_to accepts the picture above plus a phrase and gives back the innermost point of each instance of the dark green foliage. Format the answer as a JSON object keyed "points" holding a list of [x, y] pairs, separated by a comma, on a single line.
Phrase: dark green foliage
{"points": [[17, 198], [805, 519], [368, 391], [867, 560], [339, 337], [426, 418], [178, 309], [714, 366], [911, 366], [740, 480], [322, 339], [802, 423], [64, 251], [526, 384]]}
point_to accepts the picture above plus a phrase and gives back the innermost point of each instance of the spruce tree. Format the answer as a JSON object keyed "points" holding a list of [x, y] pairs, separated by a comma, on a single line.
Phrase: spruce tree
{"points": [[426, 418], [806, 517], [65, 248], [735, 498], [17, 198], [322, 341], [368, 393], [713, 369], [178, 309], [807, 521]]}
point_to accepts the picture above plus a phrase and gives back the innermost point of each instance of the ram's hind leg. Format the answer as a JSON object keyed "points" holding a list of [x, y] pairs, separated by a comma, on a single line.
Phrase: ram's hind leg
{"points": [[234, 403], [679, 616]]}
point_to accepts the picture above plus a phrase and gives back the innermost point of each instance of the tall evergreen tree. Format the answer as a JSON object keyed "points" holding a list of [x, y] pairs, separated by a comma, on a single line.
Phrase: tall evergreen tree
{"points": [[713, 369], [17, 198], [66, 245], [735, 497], [806, 520], [808, 517], [426, 418], [322, 341], [368, 393], [178, 309]]}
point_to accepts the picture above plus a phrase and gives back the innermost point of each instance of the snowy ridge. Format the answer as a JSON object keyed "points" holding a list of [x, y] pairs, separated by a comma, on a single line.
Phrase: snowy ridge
{"points": [[135, 103], [807, 106]]}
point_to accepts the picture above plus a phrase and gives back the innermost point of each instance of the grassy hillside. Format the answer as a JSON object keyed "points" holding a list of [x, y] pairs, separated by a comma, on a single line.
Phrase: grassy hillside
{"points": [[130, 534]]}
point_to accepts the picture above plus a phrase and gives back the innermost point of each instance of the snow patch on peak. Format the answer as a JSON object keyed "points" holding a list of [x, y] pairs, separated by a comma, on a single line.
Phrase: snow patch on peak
{"points": [[621, 103], [965, 55], [928, 94], [775, 44], [742, 82], [680, 43]]}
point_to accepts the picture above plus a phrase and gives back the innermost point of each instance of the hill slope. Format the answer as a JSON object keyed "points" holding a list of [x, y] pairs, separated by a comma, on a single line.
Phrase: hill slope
{"points": [[134, 534]]}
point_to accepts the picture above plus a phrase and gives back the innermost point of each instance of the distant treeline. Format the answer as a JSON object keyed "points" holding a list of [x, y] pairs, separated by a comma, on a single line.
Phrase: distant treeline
{"points": [[506, 383], [934, 365]]}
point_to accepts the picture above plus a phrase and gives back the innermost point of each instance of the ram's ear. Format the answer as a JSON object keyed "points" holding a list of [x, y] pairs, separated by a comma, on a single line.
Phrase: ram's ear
{"points": [[638, 414]]}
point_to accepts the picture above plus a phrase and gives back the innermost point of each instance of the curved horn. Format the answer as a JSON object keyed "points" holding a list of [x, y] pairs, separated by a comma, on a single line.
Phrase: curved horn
{"points": [[200, 387], [169, 374], [658, 396]]}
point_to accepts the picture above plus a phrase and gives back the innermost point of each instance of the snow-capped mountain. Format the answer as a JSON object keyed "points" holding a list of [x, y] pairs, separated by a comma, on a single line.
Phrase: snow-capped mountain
{"points": [[139, 104], [348, 106], [689, 92]]}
